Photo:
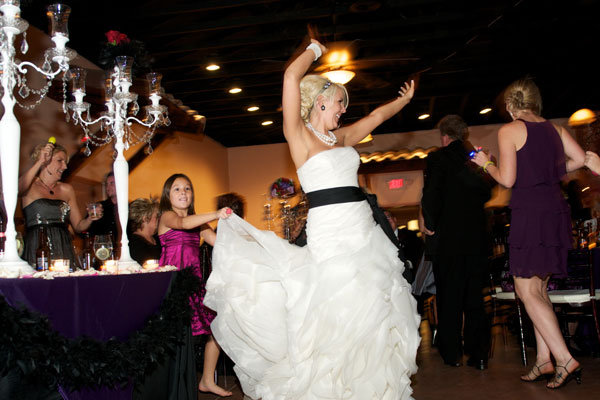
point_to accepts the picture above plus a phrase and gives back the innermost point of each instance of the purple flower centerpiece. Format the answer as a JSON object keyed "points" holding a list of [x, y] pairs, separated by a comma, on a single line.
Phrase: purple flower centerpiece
{"points": [[283, 188]]}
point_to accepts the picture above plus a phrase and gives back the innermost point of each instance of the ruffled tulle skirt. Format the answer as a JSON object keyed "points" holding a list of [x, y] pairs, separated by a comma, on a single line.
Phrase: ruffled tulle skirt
{"points": [[342, 327]]}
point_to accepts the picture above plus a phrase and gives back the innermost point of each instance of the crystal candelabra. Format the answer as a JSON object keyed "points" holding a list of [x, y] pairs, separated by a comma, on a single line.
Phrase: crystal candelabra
{"points": [[13, 74], [116, 123]]}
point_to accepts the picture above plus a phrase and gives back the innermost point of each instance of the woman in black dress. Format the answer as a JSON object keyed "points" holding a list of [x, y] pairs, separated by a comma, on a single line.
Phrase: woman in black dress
{"points": [[51, 203]]}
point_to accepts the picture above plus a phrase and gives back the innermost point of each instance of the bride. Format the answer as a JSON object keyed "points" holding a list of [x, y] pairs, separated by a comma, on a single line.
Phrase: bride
{"points": [[334, 319]]}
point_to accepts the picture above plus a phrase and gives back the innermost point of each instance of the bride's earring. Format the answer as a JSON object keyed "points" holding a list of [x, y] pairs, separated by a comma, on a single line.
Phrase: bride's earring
{"points": [[323, 107]]}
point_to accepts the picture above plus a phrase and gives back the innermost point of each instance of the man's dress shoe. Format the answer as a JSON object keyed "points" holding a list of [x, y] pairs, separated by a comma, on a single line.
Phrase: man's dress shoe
{"points": [[453, 363], [478, 363]]}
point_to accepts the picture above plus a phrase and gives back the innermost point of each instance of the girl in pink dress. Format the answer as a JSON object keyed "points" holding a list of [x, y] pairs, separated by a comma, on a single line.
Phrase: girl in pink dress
{"points": [[179, 231]]}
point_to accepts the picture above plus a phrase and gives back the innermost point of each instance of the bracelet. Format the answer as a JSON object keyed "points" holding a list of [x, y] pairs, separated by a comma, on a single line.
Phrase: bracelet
{"points": [[316, 49], [487, 164]]}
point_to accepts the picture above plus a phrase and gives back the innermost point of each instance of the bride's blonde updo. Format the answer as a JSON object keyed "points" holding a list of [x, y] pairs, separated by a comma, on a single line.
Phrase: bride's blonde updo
{"points": [[523, 95], [311, 86]]}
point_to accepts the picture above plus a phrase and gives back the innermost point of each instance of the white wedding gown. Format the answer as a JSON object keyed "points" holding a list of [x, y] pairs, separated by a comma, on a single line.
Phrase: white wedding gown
{"points": [[332, 320]]}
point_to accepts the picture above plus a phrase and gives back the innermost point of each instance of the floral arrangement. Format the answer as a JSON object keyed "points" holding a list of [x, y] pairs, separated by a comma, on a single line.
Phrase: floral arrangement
{"points": [[119, 44], [283, 188], [115, 38]]}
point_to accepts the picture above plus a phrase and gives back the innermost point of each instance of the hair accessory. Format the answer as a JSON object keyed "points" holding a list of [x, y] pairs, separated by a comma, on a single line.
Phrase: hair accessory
{"points": [[316, 49], [487, 164], [323, 107], [326, 85]]}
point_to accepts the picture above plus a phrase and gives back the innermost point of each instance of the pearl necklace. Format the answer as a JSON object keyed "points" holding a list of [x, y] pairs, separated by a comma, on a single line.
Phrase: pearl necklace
{"points": [[328, 139]]}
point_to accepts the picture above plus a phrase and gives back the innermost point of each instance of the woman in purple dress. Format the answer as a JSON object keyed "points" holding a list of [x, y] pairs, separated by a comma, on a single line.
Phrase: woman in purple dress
{"points": [[179, 232], [535, 155]]}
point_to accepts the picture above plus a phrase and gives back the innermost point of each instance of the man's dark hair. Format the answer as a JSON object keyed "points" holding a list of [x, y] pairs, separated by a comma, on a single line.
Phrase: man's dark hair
{"points": [[454, 127], [233, 201]]}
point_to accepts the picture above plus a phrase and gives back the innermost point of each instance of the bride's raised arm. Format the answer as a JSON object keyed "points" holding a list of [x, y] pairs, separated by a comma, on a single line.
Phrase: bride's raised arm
{"points": [[291, 99], [352, 134]]}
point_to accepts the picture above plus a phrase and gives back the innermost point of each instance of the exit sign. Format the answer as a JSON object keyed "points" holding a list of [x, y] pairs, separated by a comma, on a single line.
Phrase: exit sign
{"points": [[395, 183]]}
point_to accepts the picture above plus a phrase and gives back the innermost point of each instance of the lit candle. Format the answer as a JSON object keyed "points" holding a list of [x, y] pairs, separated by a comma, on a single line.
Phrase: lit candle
{"points": [[60, 265], [150, 264], [111, 266]]}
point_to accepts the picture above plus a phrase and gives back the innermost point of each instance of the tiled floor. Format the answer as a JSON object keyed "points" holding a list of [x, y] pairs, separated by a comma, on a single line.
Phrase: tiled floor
{"points": [[435, 381]]}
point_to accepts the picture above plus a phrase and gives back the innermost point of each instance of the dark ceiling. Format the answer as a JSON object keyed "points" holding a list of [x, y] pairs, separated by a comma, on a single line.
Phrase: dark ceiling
{"points": [[462, 53]]}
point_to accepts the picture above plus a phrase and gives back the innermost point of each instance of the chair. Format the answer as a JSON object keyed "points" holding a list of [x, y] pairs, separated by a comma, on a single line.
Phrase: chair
{"points": [[511, 297], [430, 312], [577, 300], [504, 293]]}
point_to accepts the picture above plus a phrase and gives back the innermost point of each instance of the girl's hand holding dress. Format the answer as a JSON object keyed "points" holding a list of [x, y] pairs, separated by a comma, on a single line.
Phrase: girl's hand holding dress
{"points": [[224, 213]]}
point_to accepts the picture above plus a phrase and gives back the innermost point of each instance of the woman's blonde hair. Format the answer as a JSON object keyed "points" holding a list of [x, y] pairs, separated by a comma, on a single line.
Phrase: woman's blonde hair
{"points": [[313, 86], [140, 211], [35, 154], [523, 95]]}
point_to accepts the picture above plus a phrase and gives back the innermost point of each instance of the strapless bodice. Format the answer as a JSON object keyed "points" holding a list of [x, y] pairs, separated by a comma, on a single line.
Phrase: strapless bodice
{"points": [[330, 168], [46, 211]]}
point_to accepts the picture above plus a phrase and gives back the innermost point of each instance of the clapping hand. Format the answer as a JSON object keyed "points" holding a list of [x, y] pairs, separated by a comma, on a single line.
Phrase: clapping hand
{"points": [[592, 161]]}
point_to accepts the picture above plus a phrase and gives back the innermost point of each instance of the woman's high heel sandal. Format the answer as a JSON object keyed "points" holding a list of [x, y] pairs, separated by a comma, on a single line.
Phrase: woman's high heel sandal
{"points": [[536, 374], [561, 379]]}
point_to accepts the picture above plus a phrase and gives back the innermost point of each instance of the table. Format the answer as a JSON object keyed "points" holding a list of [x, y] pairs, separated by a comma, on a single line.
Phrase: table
{"points": [[101, 307]]}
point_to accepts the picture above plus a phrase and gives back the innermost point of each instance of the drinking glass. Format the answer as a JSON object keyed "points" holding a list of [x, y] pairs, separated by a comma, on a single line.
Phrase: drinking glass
{"points": [[103, 247], [92, 209]]}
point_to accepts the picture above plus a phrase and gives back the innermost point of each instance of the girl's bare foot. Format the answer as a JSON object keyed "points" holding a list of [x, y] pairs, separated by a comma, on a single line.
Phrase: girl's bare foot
{"points": [[213, 388]]}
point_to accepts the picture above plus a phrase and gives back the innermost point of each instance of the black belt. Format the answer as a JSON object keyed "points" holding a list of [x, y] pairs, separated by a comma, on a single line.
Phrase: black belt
{"points": [[342, 194]]}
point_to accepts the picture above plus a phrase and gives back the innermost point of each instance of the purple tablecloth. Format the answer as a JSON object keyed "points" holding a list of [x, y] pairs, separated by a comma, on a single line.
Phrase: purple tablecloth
{"points": [[100, 307]]}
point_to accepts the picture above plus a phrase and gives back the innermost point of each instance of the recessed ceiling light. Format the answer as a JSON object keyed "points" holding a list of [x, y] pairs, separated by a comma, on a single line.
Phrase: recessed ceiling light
{"points": [[213, 67], [198, 117], [424, 116], [253, 108], [485, 110], [265, 123], [235, 90]]}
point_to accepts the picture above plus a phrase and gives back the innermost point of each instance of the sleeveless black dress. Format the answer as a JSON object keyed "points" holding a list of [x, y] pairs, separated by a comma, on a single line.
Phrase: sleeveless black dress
{"points": [[54, 215]]}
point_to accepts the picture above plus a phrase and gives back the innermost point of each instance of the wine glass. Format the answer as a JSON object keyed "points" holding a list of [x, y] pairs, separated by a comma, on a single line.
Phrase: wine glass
{"points": [[103, 247]]}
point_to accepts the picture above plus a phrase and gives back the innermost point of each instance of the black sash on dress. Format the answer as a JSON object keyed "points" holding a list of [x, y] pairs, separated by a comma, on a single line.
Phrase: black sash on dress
{"points": [[348, 194], [342, 194]]}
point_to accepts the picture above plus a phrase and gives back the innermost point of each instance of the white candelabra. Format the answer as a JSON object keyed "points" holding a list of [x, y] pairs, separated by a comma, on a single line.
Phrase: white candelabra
{"points": [[116, 123], [14, 74]]}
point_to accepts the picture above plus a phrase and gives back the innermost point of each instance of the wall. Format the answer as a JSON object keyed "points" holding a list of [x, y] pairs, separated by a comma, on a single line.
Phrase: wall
{"points": [[202, 159], [252, 169]]}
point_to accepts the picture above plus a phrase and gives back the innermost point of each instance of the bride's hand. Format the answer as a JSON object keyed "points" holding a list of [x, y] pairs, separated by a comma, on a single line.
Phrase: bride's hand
{"points": [[324, 49], [408, 90]]}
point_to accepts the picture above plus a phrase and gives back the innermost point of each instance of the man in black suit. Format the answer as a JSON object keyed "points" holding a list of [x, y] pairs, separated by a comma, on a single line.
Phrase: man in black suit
{"points": [[109, 223], [453, 201]]}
